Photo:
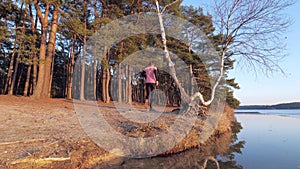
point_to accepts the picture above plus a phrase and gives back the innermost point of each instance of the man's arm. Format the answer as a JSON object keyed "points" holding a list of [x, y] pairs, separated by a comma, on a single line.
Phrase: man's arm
{"points": [[156, 76], [143, 74]]}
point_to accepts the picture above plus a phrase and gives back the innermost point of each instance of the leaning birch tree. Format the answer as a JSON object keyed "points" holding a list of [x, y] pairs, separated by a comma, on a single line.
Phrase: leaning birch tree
{"points": [[186, 98], [251, 29]]}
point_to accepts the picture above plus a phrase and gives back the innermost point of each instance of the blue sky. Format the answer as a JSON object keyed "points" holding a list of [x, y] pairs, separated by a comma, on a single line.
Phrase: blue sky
{"points": [[259, 89]]}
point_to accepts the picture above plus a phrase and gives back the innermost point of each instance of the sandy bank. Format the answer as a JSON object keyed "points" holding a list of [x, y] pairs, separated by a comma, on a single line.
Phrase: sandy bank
{"points": [[47, 133]]}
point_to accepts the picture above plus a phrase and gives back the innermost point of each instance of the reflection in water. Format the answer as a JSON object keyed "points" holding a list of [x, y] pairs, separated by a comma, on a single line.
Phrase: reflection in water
{"points": [[219, 153]]}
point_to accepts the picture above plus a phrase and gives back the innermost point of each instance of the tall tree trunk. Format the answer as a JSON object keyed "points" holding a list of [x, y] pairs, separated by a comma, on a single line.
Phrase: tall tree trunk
{"points": [[11, 63], [39, 91], [19, 79], [191, 80], [10, 68], [11, 89], [104, 78], [33, 57], [129, 85], [71, 69], [50, 53], [34, 73], [49, 86], [107, 80], [120, 73], [26, 88], [84, 53], [104, 75], [95, 78], [107, 85], [12, 86], [126, 84], [82, 77], [96, 61], [99, 80], [120, 82]]}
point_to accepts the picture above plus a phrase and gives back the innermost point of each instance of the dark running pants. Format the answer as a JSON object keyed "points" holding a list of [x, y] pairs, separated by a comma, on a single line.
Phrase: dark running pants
{"points": [[149, 88]]}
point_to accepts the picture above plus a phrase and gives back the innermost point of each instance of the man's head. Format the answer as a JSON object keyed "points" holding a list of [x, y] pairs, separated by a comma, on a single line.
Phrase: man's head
{"points": [[151, 64]]}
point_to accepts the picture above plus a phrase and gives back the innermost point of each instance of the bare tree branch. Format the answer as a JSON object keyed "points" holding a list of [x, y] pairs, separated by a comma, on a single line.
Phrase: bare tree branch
{"points": [[253, 30], [163, 10]]}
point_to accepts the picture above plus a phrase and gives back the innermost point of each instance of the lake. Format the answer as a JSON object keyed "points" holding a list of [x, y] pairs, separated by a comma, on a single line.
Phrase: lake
{"points": [[272, 139], [269, 140]]}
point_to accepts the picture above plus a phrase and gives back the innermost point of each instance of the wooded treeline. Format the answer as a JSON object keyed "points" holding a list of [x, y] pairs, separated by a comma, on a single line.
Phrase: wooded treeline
{"points": [[42, 40]]}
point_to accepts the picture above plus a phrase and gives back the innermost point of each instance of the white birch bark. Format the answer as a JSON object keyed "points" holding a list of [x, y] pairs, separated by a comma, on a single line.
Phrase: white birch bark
{"points": [[184, 95]]}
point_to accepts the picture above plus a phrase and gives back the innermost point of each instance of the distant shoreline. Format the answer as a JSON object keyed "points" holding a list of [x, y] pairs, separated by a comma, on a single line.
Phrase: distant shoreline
{"points": [[250, 112], [282, 106], [284, 112]]}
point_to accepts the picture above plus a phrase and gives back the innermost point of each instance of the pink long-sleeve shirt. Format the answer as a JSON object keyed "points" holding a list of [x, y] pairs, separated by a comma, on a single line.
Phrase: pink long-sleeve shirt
{"points": [[150, 74]]}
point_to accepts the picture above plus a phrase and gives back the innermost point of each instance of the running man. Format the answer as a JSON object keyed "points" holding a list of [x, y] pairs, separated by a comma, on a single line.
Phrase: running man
{"points": [[150, 73]]}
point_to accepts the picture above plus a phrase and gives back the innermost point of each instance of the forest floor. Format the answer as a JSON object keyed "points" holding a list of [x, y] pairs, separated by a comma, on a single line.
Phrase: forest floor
{"points": [[46, 133]]}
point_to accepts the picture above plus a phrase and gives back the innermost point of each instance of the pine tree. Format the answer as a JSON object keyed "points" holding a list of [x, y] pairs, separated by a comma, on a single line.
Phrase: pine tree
{"points": [[46, 52]]}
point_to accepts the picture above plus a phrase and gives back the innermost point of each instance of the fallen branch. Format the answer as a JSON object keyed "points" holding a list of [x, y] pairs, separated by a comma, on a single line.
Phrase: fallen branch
{"points": [[22, 142], [41, 160]]}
